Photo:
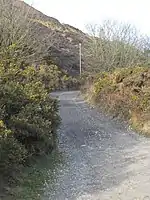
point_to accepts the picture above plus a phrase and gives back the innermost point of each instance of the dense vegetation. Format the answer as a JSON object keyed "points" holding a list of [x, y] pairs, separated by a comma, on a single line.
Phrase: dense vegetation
{"points": [[118, 74], [125, 93], [28, 116]]}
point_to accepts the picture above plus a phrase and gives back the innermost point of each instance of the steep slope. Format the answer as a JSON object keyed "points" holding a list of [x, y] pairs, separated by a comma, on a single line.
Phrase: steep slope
{"points": [[64, 47], [125, 93]]}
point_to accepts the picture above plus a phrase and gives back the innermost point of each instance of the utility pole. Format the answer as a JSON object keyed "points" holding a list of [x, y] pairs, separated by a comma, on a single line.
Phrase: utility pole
{"points": [[80, 57]]}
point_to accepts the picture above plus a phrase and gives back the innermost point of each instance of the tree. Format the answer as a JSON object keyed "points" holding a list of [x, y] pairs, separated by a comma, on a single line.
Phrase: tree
{"points": [[112, 45]]}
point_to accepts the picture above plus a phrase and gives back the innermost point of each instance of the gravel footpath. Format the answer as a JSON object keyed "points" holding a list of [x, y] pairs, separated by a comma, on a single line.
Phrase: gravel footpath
{"points": [[103, 160]]}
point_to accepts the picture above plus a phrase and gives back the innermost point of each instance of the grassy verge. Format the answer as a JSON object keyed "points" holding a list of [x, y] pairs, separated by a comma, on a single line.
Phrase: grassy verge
{"points": [[125, 93], [31, 183]]}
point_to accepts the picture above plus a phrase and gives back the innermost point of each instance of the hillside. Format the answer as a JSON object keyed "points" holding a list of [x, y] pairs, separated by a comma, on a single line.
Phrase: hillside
{"points": [[125, 93], [63, 49]]}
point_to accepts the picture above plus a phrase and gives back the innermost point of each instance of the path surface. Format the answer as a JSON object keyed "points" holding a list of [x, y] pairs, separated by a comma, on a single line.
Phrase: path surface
{"points": [[103, 160]]}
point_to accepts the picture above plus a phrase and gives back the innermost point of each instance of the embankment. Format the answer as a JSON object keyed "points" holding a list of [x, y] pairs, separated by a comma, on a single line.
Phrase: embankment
{"points": [[125, 93]]}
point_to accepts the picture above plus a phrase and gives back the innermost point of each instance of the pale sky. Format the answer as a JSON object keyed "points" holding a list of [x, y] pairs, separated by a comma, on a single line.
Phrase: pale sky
{"points": [[78, 13]]}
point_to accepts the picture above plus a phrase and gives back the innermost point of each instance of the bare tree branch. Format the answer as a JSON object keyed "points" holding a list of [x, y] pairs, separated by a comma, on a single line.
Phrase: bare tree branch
{"points": [[114, 44], [22, 34]]}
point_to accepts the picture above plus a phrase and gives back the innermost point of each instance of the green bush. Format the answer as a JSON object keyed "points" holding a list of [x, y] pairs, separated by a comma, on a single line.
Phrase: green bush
{"points": [[35, 126], [27, 113], [30, 112], [12, 153]]}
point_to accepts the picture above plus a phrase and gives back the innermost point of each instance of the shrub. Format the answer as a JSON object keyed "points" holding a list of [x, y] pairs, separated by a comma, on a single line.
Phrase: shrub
{"points": [[125, 93], [12, 153], [35, 126], [29, 113]]}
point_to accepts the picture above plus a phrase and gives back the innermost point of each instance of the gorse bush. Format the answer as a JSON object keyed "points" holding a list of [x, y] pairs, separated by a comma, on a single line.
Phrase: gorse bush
{"points": [[28, 115], [12, 153], [125, 93]]}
